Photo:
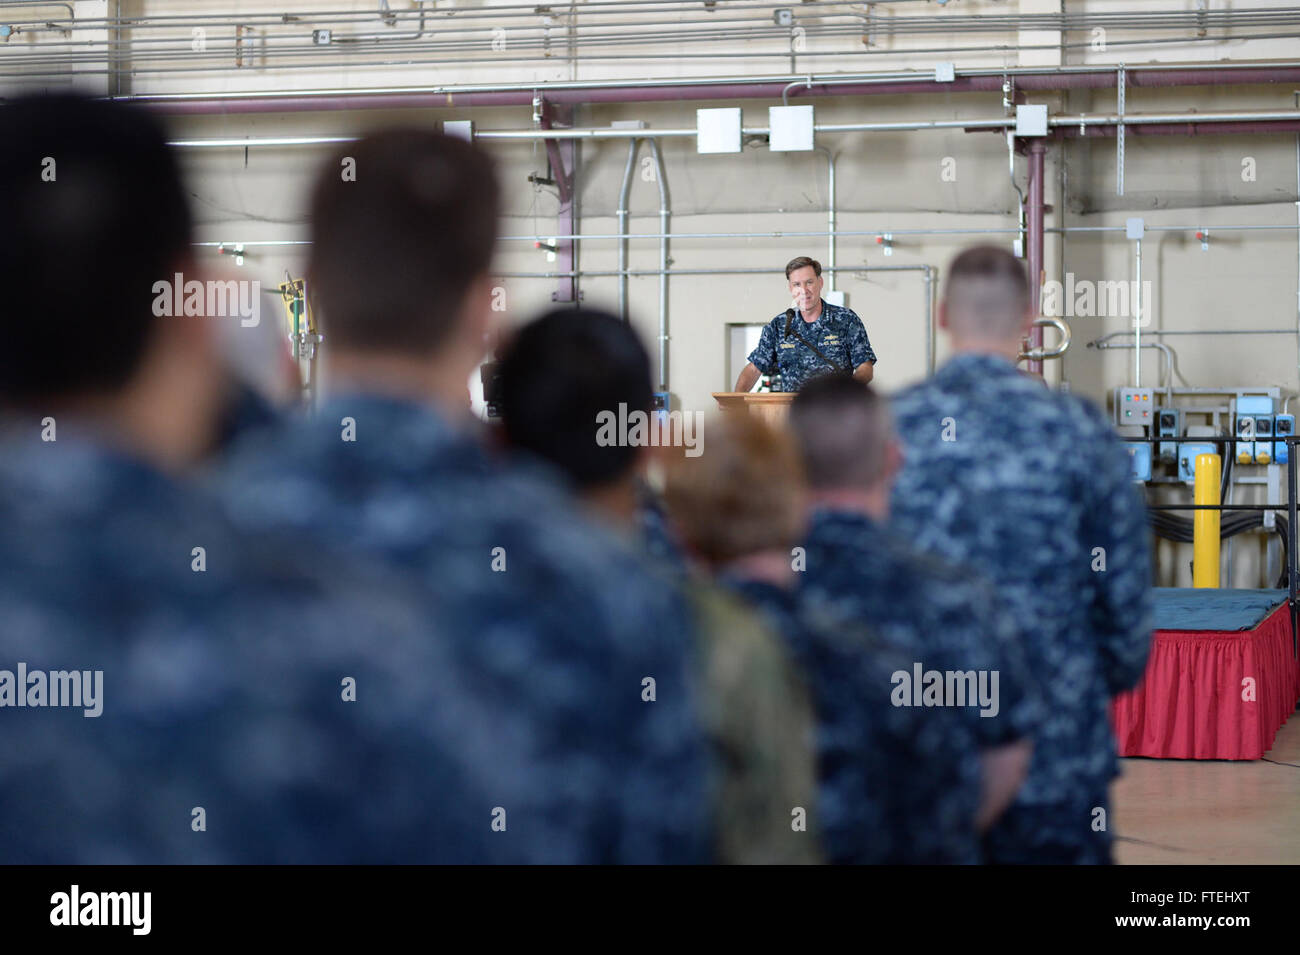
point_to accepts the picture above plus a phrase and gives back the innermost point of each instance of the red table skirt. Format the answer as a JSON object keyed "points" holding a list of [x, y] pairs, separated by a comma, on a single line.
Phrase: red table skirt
{"points": [[1190, 703]]}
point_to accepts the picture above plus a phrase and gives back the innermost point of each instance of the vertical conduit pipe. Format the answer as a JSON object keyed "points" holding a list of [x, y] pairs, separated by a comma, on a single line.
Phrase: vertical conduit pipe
{"points": [[830, 216], [632, 146], [1033, 223], [929, 318], [664, 209], [1137, 321]]}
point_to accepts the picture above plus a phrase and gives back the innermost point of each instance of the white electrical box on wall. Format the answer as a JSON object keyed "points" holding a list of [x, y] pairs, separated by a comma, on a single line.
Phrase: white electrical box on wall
{"points": [[1031, 119], [460, 128], [790, 128], [717, 130]]}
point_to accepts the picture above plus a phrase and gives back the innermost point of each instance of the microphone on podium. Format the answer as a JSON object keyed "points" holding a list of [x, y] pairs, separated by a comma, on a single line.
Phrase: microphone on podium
{"points": [[789, 318]]}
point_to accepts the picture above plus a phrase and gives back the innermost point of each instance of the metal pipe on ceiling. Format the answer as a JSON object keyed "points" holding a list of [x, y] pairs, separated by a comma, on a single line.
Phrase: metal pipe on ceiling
{"points": [[1065, 21], [1200, 20], [1263, 119], [461, 14], [727, 88], [389, 37], [1226, 128], [1027, 77], [260, 142], [1204, 331], [678, 36], [714, 28], [527, 52], [610, 273], [37, 3], [817, 234]]}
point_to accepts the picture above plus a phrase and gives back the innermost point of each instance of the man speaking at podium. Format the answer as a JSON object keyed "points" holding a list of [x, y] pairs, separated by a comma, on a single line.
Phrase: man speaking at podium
{"points": [[816, 339]]}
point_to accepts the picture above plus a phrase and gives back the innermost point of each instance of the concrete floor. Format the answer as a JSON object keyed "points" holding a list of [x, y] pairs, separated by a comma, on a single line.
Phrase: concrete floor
{"points": [[1186, 811]]}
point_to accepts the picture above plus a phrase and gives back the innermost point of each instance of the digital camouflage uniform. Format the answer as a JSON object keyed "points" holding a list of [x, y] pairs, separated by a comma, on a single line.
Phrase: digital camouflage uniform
{"points": [[581, 656], [1033, 488], [898, 785], [222, 687], [946, 617], [657, 538], [838, 333]]}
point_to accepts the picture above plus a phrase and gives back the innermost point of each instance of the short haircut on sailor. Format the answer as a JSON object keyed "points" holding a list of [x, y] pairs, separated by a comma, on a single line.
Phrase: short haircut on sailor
{"points": [[397, 245], [986, 293], [802, 262], [842, 427]]}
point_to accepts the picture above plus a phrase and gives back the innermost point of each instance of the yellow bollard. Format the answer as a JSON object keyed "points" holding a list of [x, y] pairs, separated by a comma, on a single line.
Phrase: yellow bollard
{"points": [[1205, 524]]}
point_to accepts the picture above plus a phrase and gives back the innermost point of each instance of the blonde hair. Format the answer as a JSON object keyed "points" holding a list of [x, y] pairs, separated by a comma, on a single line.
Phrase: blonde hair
{"points": [[742, 495]]}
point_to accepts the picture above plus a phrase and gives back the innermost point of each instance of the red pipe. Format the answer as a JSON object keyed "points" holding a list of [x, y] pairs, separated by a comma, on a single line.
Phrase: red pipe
{"points": [[1191, 76], [1185, 129], [558, 169]]}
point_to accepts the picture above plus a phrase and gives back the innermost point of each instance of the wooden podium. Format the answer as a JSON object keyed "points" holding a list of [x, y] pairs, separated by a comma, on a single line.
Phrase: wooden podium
{"points": [[772, 407]]}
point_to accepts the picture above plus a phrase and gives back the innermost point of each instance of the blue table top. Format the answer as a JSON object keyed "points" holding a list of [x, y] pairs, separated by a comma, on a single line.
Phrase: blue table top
{"points": [[1189, 608]]}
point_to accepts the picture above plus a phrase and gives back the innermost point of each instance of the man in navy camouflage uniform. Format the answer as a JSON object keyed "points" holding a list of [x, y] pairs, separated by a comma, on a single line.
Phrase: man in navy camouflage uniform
{"points": [[1033, 488], [222, 686], [584, 654], [899, 785], [859, 571], [790, 346], [896, 784], [221, 728]]}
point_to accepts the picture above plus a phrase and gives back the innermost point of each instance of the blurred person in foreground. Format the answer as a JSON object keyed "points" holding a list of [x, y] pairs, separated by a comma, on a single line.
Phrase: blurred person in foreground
{"points": [[943, 615], [577, 659], [896, 784], [561, 375], [173, 691], [1033, 488]]}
